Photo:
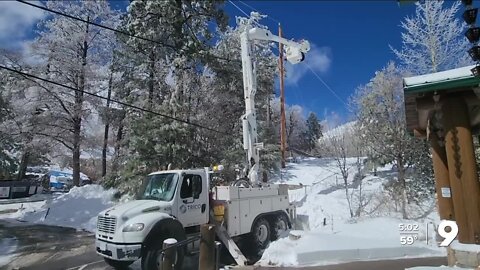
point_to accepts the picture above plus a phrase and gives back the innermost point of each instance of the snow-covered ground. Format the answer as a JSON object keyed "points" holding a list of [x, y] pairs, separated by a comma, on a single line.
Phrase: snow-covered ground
{"points": [[77, 209], [8, 245], [329, 233]]}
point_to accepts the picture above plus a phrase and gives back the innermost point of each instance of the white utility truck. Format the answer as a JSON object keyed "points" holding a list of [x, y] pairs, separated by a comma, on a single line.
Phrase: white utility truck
{"points": [[175, 203]]}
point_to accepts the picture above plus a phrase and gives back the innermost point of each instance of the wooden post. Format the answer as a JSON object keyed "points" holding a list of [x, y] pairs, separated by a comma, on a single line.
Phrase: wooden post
{"points": [[283, 121], [442, 180], [169, 255], [207, 247], [462, 169]]}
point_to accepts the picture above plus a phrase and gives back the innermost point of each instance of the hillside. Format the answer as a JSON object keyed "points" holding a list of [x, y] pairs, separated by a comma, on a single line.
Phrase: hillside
{"points": [[326, 231]]}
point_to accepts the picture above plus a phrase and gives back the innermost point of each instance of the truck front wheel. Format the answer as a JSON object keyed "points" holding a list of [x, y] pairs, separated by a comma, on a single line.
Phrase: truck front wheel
{"points": [[261, 233], [152, 259], [152, 255], [118, 264]]}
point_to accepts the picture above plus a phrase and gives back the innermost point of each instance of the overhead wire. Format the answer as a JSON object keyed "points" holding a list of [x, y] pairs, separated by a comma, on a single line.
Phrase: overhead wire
{"points": [[316, 75], [93, 23], [113, 100], [156, 42], [311, 69], [241, 10], [326, 85], [115, 30], [254, 9]]}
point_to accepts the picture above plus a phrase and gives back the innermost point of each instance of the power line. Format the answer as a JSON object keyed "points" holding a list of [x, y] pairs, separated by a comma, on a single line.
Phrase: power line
{"points": [[112, 100], [116, 30], [93, 23], [241, 10], [326, 85], [252, 8], [316, 75]]}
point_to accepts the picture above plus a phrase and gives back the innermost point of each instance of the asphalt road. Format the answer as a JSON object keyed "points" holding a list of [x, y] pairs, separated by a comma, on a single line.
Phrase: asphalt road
{"points": [[51, 248]]}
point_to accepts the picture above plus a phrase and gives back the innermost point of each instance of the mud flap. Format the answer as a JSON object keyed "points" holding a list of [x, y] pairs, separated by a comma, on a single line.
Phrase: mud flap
{"points": [[301, 223]]}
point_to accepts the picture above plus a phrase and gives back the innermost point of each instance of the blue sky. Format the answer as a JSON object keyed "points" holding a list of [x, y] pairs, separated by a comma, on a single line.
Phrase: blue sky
{"points": [[354, 35], [350, 41]]}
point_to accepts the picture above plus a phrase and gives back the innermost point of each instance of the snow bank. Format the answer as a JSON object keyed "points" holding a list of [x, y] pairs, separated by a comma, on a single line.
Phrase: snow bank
{"points": [[77, 209], [16, 210], [369, 239], [333, 236]]}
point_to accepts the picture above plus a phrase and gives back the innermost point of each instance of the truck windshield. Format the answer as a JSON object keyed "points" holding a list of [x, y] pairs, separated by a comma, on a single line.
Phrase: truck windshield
{"points": [[159, 187]]}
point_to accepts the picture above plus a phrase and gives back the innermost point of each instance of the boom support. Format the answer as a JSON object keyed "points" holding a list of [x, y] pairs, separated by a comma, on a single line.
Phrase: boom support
{"points": [[295, 54]]}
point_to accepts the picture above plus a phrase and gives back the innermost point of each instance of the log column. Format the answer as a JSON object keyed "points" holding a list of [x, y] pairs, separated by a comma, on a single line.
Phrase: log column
{"points": [[442, 179], [462, 169]]}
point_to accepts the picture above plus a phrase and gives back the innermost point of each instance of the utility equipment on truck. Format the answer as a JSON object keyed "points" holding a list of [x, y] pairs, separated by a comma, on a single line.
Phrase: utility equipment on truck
{"points": [[175, 203]]}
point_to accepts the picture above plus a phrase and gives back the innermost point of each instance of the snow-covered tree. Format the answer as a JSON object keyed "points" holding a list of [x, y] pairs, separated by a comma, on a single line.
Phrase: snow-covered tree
{"points": [[313, 132], [337, 147], [381, 120], [23, 116], [170, 77], [433, 39], [8, 162], [71, 53]]}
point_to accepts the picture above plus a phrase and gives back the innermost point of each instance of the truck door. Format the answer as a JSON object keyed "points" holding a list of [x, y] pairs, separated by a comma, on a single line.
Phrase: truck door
{"points": [[192, 202]]}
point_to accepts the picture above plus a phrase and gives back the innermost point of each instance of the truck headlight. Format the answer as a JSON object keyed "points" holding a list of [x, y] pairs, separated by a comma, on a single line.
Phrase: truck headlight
{"points": [[134, 227]]}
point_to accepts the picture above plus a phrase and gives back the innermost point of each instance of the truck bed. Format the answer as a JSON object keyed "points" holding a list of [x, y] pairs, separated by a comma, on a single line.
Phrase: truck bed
{"points": [[243, 205]]}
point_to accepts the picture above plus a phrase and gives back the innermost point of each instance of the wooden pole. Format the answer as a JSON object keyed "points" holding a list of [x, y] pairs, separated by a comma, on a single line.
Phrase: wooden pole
{"points": [[462, 169], [169, 255], [207, 247], [283, 122], [442, 180]]}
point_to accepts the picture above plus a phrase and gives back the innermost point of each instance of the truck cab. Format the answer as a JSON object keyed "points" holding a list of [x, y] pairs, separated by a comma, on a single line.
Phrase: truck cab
{"points": [[172, 201]]}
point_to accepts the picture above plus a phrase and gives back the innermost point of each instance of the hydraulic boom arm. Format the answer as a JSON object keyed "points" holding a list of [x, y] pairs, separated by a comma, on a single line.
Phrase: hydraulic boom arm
{"points": [[294, 52]]}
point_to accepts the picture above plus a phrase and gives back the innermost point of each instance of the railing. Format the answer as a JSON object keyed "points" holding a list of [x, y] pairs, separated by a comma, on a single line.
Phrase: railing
{"points": [[18, 189]]}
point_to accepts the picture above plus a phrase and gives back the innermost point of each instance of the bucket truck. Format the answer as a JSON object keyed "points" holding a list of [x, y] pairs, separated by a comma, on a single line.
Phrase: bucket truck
{"points": [[175, 203]]}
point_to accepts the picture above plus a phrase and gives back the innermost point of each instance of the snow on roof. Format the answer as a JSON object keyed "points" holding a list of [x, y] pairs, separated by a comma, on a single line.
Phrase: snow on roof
{"points": [[443, 76]]}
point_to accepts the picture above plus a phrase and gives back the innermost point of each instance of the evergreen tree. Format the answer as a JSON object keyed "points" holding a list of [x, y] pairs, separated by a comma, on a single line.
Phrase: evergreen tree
{"points": [[8, 162], [169, 77], [313, 132]]}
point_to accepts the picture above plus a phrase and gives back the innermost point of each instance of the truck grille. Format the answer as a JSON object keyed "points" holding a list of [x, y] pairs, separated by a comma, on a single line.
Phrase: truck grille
{"points": [[106, 224]]}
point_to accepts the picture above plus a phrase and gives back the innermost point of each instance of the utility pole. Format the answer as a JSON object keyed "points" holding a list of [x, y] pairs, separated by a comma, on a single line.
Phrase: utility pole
{"points": [[283, 122]]}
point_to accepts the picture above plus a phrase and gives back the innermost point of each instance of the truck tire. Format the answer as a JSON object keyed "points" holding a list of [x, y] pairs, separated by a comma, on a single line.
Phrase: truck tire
{"points": [[261, 233], [165, 229], [120, 265], [279, 225]]}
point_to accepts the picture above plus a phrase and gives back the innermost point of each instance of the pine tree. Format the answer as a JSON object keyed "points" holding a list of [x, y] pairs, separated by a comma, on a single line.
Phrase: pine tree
{"points": [[169, 77], [8, 162], [313, 132], [73, 55]]}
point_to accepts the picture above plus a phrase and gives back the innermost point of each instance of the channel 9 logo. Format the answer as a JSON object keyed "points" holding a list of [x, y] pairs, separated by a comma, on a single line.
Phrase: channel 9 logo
{"points": [[450, 235]]}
